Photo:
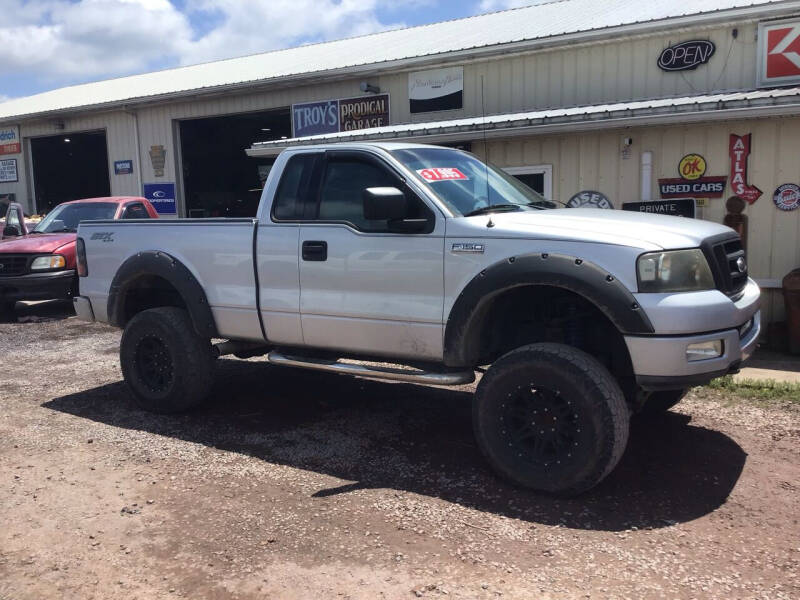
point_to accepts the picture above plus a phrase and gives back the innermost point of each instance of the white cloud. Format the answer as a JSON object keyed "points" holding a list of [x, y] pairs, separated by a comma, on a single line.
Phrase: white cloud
{"points": [[261, 25], [493, 5], [61, 41]]}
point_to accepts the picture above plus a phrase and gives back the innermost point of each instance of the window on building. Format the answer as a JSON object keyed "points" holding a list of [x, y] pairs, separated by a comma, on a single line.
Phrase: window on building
{"points": [[538, 178]]}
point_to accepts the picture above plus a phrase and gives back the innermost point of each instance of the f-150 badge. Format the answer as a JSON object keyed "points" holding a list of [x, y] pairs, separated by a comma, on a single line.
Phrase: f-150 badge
{"points": [[468, 247]]}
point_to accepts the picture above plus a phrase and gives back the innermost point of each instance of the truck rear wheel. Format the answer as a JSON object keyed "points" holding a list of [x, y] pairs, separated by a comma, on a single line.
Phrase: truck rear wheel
{"points": [[551, 418], [7, 308], [661, 402], [166, 364]]}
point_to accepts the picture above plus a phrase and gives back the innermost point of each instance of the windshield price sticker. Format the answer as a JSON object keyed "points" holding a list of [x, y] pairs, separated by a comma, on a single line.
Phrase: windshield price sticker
{"points": [[441, 174]]}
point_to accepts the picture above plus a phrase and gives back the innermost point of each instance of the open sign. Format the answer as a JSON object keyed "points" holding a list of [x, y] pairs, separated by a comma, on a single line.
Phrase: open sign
{"points": [[686, 55]]}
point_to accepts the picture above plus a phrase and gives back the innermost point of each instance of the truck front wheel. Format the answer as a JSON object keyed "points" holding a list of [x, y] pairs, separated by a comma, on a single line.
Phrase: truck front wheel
{"points": [[166, 364], [551, 418]]}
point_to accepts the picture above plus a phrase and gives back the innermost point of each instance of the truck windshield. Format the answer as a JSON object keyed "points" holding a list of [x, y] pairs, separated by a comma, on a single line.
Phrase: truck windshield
{"points": [[66, 217], [467, 185]]}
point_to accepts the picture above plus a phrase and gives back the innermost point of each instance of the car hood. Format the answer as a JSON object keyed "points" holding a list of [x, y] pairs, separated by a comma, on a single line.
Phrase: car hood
{"points": [[641, 230], [37, 243]]}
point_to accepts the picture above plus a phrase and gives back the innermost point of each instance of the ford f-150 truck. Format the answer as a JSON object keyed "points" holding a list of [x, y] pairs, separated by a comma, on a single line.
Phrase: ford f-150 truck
{"points": [[423, 264]]}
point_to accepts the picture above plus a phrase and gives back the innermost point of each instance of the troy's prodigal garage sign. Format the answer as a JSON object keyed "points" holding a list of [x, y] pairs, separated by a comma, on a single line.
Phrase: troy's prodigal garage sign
{"points": [[346, 114], [686, 56]]}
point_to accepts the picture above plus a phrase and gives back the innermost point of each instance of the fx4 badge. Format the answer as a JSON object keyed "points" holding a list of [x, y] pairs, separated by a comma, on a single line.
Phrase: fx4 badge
{"points": [[468, 247], [103, 236]]}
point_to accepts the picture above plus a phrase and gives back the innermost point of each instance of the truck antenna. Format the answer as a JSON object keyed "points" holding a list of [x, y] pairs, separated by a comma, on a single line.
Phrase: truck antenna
{"points": [[490, 223]]}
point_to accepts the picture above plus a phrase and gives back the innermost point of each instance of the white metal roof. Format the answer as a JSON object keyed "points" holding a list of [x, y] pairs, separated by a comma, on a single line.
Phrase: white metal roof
{"points": [[564, 18], [682, 110]]}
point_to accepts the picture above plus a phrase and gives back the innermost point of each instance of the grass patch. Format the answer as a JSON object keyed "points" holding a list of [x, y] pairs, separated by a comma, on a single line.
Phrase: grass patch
{"points": [[758, 389]]}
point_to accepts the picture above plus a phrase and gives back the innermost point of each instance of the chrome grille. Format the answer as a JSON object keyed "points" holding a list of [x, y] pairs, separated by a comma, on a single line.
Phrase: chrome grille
{"points": [[724, 254]]}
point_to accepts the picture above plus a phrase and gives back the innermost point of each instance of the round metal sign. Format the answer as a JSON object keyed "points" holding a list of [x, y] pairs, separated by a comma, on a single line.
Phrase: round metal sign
{"points": [[589, 199], [692, 166], [787, 196]]}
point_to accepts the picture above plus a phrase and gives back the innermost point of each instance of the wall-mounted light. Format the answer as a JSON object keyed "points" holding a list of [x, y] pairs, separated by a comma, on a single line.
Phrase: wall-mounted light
{"points": [[368, 87], [266, 129], [67, 140]]}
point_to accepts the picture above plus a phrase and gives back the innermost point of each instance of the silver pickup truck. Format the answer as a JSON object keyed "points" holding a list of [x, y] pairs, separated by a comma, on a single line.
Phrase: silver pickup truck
{"points": [[424, 264]]}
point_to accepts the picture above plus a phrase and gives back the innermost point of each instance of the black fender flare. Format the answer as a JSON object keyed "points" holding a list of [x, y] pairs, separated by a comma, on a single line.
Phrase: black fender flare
{"points": [[572, 273], [160, 264]]}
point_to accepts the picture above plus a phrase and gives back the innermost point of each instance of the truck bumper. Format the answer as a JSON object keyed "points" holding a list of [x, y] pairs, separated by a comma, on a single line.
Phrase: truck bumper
{"points": [[83, 308], [55, 285], [661, 363]]}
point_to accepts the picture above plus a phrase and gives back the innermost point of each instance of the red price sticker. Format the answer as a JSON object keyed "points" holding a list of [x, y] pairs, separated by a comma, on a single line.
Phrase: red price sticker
{"points": [[441, 174]]}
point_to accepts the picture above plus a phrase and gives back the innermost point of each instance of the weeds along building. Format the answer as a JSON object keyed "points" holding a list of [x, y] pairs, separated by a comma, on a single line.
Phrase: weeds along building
{"points": [[661, 106]]}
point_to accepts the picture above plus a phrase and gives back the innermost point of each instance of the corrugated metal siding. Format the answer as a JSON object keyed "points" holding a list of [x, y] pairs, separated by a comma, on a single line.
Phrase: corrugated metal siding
{"points": [[119, 140], [592, 161], [619, 70]]}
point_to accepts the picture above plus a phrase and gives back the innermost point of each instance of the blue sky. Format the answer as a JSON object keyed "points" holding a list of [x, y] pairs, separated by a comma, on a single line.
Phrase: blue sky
{"points": [[49, 44]]}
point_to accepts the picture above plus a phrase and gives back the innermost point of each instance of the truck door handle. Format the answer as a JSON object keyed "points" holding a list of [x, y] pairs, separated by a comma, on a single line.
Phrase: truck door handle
{"points": [[315, 250]]}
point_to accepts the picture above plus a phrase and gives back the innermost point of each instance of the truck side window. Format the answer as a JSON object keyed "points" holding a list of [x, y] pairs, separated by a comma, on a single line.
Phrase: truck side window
{"points": [[135, 211], [343, 185], [294, 187]]}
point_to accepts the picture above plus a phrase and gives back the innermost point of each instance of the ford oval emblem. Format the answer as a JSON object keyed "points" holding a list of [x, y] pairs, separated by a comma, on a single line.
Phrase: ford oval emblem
{"points": [[741, 264]]}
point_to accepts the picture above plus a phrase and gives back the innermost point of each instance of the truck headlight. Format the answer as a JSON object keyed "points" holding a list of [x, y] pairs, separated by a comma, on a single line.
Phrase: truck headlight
{"points": [[674, 271], [48, 263]]}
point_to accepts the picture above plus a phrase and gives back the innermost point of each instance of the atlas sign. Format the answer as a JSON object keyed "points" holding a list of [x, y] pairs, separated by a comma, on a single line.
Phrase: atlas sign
{"points": [[779, 53]]}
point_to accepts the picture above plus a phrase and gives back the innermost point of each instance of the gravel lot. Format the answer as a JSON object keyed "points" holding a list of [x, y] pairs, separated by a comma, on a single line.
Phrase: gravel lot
{"points": [[294, 484]]}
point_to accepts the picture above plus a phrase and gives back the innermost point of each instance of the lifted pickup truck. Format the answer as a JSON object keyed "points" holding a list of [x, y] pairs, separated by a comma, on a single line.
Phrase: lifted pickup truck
{"points": [[428, 259]]}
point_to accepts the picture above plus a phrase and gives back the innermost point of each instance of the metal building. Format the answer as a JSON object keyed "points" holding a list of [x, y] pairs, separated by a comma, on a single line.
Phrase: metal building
{"points": [[659, 106]]}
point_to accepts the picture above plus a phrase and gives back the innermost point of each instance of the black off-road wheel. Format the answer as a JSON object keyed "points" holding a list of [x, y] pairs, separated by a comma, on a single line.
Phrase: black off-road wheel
{"points": [[7, 309], [167, 365], [660, 402], [551, 418]]}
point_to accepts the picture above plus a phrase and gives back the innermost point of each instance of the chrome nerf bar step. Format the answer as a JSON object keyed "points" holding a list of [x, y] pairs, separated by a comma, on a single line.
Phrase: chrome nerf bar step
{"points": [[375, 372]]}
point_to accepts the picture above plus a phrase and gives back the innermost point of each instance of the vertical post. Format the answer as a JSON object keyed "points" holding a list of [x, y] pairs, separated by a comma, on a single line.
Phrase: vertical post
{"points": [[647, 176], [138, 166]]}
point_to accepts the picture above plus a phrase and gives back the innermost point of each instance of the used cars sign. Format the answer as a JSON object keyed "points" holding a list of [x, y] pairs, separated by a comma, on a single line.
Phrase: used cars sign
{"points": [[686, 56]]}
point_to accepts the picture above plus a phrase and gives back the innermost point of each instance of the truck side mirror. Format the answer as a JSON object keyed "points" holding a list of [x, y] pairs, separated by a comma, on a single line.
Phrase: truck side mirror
{"points": [[11, 231], [385, 204]]}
